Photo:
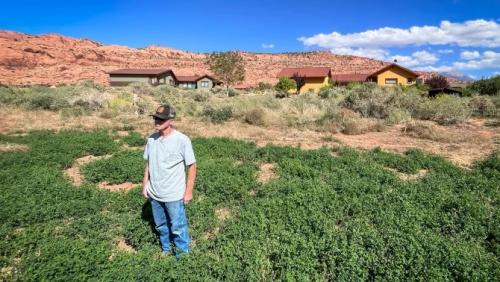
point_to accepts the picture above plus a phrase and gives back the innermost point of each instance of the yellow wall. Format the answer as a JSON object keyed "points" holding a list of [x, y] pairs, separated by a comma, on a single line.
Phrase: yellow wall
{"points": [[394, 72], [314, 83]]}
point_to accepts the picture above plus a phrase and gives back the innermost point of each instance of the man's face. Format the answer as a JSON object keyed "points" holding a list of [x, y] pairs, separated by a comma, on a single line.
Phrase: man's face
{"points": [[161, 124]]}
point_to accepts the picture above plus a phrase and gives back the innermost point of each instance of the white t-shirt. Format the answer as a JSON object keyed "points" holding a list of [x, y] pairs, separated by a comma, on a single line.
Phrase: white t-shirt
{"points": [[167, 159]]}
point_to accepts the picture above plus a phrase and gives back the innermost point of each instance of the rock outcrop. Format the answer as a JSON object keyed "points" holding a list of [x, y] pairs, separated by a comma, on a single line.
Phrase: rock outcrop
{"points": [[54, 59]]}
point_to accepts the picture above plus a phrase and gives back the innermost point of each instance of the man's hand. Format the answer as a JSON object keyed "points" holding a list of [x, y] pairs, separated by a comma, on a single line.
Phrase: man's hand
{"points": [[145, 192], [187, 198]]}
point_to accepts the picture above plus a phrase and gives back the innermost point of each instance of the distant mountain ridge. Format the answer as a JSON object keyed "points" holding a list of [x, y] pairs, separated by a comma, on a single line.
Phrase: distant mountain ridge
{"points": [[55, 59]]}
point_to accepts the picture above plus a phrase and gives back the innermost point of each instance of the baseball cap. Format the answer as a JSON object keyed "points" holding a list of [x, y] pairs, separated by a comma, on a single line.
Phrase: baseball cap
{"points": [[164, 112]]}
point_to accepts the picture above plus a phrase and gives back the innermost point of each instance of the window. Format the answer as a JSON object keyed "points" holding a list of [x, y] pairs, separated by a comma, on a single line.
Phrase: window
{"points": [[204, 84], [391, 81]]}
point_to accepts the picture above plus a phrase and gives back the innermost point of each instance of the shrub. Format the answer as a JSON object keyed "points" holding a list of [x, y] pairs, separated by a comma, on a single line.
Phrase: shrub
{"points": [[232, 92], [490, 86], [437, 81], [141, 88], [369, 100], [444, 109], [256, 117], [397, 116], [220, 115], [326, 91], [263, 86], [482, 106], [361, 125], [200, 96], [427, 130], [285, 84], [46, 102], [74, 112]]}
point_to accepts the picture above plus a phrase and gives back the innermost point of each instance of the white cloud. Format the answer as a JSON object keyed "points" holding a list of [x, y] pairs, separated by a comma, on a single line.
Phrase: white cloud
{"points": [[489, 59], [469, 55], [416, 59], [486, 60], [267, 46], [475, 33], [445, 51]]}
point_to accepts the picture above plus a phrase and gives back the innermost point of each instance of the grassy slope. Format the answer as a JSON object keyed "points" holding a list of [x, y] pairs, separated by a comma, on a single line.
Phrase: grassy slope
{"points": [[323, 218]]}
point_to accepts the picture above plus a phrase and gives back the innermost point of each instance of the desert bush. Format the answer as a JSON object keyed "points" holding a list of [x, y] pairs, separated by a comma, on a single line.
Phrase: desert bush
{"points": [[46, 102], [369, 100], [490, 86], [285, 84], [232, 92], [331, 120], [201, 96], [427, 130], [142, 88], [482, 106], [397, 116], [218, 115], [256, 117], [362, 125], [74, 112], [444, 109], [437, 81], [263, 86], [120, 103]]}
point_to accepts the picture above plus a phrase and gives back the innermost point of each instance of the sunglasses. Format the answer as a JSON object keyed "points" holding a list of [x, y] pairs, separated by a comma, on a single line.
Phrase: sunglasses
{"points": [[159, 120]]}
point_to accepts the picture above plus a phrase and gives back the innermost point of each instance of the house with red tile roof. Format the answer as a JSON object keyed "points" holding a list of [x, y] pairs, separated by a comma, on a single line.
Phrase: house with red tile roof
{"points": [[390, 75]]}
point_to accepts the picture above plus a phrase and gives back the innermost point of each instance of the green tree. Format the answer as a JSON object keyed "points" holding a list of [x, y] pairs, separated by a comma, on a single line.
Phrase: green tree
{"points": [[285, 84], [490, 86], [229, 67]]}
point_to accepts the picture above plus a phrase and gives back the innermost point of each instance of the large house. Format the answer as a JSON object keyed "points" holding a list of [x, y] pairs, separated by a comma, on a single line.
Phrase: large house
{"points": [[314, 77], [390, 75], [123, 77], [196, 82]]}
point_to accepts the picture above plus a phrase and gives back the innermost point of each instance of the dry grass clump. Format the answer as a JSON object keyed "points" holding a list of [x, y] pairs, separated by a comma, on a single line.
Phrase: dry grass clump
{"points": [[430, 131], [362, 125], [256, 117]]}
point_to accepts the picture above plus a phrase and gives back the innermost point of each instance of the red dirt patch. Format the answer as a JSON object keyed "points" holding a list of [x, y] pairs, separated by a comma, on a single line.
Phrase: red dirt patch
{"points": [[266, 173], [13, 147], [409, 177], [74, 174], [117, 187]]}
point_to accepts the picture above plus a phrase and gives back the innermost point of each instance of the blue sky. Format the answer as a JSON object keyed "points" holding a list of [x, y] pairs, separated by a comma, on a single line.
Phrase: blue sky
{"points": [[445, 35]]}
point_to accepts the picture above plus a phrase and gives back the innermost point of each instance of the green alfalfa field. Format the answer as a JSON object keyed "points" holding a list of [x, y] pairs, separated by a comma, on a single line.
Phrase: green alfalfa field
{"points": [[322, 215]]}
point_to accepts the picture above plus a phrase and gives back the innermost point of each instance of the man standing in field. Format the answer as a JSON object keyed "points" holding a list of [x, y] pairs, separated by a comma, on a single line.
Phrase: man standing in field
{"points": [[168, 153]]}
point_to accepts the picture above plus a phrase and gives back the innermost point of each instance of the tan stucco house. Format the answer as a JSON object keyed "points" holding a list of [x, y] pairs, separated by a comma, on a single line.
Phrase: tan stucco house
{"points": [[390, 75], [315, 77]]}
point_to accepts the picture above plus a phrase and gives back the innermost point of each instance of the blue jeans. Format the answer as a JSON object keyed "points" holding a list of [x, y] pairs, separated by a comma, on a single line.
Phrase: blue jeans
{"points": [[171, 224]]}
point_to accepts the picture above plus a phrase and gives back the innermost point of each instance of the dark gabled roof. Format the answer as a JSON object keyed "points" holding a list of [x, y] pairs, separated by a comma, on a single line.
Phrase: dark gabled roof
{"points": [[305, 71], [397, 66], [350, 77], [140, 71], [187, 78], [194, 78]]}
